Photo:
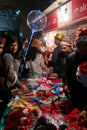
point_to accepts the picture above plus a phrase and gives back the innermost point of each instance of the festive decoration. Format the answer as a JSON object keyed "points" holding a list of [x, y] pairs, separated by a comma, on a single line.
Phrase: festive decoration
{"points": [[36, 21], [82, 73], [59, 36]]}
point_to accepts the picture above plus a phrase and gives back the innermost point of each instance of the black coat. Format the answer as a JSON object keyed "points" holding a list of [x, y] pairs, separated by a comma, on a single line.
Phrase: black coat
{"points": [[60, 67], [77, 91]]}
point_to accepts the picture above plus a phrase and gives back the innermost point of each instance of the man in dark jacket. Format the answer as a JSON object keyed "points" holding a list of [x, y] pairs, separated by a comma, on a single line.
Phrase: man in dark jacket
{"points": [[57, 50], [77, 90], [60, 68]]}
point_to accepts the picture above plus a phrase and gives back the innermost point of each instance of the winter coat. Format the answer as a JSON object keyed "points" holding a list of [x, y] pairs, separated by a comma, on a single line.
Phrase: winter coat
{"points": [[77, 91]]}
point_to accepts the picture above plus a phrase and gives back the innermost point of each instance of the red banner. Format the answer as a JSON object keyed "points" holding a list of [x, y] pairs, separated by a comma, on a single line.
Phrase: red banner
{"points": [[79, 9], [52, 21]]}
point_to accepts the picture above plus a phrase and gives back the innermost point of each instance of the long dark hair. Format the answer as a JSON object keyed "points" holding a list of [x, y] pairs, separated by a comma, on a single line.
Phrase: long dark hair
{"points": [[32, 52]]}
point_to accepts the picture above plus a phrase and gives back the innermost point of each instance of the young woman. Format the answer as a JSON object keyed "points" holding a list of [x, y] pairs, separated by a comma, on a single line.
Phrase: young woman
{"points": [[11, 64], [35, 59]]}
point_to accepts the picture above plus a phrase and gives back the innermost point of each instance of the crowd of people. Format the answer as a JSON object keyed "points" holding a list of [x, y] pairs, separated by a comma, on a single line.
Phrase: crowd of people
{"points": [[65, 63]]}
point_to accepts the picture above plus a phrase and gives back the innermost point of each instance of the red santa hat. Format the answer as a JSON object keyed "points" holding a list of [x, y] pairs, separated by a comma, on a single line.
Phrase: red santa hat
{"points": [[82, 73], [81, 35]]}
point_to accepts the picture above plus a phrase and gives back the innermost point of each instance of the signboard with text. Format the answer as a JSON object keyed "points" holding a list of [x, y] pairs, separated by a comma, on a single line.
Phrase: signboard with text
{"points": [[79, 9], [65, 15], [52, 21]]}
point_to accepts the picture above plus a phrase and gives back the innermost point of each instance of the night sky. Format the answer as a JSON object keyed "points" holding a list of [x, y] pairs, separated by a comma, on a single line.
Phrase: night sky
{"points": [[39, 4], [25, 6]]}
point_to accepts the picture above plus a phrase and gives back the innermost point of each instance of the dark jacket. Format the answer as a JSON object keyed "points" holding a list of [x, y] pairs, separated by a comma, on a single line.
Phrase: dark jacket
{"points": [[77, 91], [60, 67], [55, 54]]}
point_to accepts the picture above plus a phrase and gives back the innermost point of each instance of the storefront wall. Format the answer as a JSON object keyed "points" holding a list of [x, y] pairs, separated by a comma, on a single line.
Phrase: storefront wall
{"points": [[51, 30], [66, 20]]}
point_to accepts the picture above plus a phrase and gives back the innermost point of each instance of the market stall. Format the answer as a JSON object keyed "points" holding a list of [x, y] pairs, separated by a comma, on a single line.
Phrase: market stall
{"points": [[47, 100]]}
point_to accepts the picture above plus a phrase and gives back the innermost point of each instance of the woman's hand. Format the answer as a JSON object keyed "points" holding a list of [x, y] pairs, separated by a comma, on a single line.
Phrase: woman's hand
{"points": [[15, 92], [25, 89]]}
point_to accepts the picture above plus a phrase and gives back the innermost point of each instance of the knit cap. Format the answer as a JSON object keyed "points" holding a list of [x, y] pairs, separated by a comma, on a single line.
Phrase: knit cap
{"points": [[66, 43]]}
